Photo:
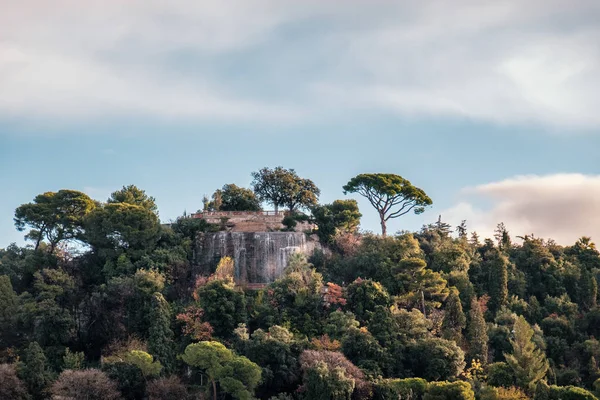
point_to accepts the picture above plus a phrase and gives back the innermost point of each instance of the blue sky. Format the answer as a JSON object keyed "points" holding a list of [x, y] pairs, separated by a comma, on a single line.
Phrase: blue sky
{"points": [[490, 107]]}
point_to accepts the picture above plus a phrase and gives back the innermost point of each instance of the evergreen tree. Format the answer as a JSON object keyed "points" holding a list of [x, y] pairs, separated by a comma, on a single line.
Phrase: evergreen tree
{"points": [[454, 318], [8, 307], [33, 371], [527, 360], [477, 334], [160, 335], [497, 265], [588, 291]]}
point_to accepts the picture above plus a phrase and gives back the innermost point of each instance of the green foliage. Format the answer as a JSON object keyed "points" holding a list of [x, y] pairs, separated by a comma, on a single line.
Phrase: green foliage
{"points": [[391, 195], [449, 391], [144, 361], [73, 361], [329, 375], [34, 372], [527, 360], [477, 334], [283, 187], [234, 198], [160, 335], [342, 216], [276, 352], [435, 359], [54, 216], [129, 379], [236, 375], [569, 393], [500, 374], [454, 318], [131, 194], [224, 307], [363, 295], [419, 286], [392, 389]]}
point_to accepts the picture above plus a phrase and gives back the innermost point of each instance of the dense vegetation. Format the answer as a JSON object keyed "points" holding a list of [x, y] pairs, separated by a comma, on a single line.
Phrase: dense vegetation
{"points": [[102, 305]]}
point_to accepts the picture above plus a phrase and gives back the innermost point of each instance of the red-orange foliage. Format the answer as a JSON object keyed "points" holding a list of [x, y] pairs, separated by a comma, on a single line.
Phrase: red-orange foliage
{"points": [[483, 300], [325, 343], [193, 324], [334, 295]]}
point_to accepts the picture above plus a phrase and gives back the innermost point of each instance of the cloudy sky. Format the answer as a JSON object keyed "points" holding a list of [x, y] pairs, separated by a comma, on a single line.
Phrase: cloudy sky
{"points": [[490, 106]]}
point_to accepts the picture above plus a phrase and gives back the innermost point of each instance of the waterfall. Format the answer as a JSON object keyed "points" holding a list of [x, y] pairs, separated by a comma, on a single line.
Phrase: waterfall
{"points": [[259, 257]]}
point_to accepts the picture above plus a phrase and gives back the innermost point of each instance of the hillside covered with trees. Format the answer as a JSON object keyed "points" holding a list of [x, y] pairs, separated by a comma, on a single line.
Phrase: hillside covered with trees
{"points": [[101, 304]]}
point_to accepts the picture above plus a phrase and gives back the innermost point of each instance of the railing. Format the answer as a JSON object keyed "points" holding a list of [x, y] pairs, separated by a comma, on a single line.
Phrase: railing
{"points": [[236, 213]]}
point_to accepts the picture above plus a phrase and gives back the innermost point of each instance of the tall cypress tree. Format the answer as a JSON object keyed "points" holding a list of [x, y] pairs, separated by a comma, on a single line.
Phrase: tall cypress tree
{"points": [[160, 335], [588, 290], [477, 334], [33, 371], [498, 279], [454, 318], [527, 360]]}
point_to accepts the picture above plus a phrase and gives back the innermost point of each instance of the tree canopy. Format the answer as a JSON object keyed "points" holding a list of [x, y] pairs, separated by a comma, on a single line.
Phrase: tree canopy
{"points": [[284, 188], [391, 195]]}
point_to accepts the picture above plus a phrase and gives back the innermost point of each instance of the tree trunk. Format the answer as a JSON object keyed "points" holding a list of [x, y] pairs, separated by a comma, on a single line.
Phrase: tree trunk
{"points": [[214, 385], [383, 227]]}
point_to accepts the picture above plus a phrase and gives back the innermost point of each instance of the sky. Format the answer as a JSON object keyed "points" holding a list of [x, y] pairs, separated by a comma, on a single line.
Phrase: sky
{"points": [[491, 107]]}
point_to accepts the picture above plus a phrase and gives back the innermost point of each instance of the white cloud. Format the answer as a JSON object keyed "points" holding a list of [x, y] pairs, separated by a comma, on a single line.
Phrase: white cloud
{"points": [[508, 62], [562, 207]]}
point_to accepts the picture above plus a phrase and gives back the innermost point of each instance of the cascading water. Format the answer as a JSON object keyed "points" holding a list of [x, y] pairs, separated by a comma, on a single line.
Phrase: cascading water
{"points": [[259, 257]]}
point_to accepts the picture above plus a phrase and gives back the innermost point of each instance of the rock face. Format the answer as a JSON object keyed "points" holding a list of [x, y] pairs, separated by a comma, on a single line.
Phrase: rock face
{"points": [[260, 257]]}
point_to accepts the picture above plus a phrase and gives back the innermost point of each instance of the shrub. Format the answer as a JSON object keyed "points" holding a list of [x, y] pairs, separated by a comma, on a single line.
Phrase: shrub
{"points": [[569, 393], [11, 387], [167, 389], [391, 389], [449, 391], [89, 384]]}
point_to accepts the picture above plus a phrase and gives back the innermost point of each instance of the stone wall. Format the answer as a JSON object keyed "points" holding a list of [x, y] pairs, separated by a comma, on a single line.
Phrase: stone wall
{"points": [[259, 257]]}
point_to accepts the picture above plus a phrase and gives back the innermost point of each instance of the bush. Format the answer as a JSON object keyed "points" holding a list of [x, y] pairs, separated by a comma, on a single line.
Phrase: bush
{"points": [[449, 391], [392, 389], [569, 393], [128, 377], [89, 384], [500, 374], [11, 387], [167, 389]]}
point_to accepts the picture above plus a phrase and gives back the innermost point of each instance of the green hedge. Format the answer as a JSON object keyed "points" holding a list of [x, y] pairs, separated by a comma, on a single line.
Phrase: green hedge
{"points": [[392, 389], [449, 391]]}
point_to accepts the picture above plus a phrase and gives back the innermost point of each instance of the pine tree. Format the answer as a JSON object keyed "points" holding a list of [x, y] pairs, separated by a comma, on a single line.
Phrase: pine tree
{"points": [[454, 318], [498, 279], [527, 360], [160, 335], [588, 291], [477, 334], [33, 371]]}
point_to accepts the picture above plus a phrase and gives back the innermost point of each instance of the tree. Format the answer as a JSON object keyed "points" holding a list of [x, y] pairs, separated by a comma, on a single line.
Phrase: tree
{"points": [[34, 372], [11, 387], [364, 295], [160, 335], [234, 198], [283, 187], [391, 195], [167, 389], [449, 391], [133, 195], [236, 375], [497, 265], [419, 286], [454, 318], [477, 334], [527, 360], [88, 384], [224, 306], [435, 359], [8, 309], [329, 375], [54, 216], [588, 291], [342, 216]]}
